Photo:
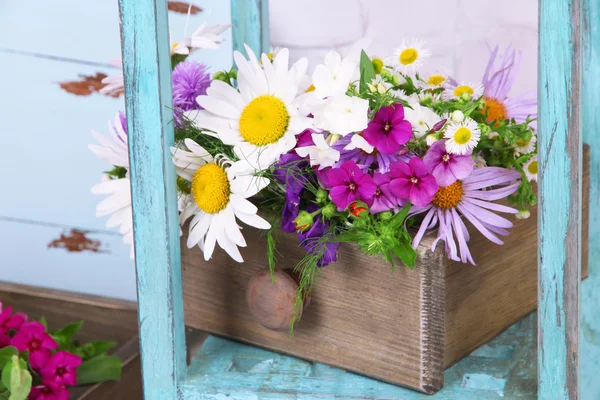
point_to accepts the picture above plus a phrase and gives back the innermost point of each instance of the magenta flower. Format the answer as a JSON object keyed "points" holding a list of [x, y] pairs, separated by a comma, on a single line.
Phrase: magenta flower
{"points": [[10, 321], [61, 369], [48, 391], [472, 199], [447, 168], [412, 181], [349, 183], [388, 130], [383, 199], [33, 337]]}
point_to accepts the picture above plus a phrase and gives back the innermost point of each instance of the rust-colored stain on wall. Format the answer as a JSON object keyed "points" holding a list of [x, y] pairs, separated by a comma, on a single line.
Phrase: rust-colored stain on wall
{"points": [[75, 241], [182, 7], [87, 85]]}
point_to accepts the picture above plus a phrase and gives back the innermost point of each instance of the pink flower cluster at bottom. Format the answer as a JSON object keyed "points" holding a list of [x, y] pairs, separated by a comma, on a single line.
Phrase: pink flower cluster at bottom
{"points": [[56, 368]]}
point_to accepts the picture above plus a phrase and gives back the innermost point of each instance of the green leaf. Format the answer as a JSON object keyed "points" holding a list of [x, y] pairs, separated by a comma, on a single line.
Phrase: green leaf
{"points": [[44, 322], [348, 236], [63, 336], [367, 72], [405, 252], [17, 379], [6, 354], [99, 369], [97, 348], [401, 216]]}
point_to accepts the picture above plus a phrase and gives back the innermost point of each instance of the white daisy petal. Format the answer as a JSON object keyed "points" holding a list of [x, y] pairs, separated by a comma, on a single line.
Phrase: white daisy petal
{"points": [[253, 220]]}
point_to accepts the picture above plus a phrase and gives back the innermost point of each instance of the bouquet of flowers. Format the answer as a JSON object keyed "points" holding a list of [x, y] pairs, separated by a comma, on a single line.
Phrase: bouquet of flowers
{"points": [[39, 364], [367, 150]]}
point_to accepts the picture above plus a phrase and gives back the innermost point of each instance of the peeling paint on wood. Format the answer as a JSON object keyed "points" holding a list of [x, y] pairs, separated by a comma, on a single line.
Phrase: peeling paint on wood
{"points": [[250, 24], [87, 85], [183, 7], [76, 241], [560, 151]]}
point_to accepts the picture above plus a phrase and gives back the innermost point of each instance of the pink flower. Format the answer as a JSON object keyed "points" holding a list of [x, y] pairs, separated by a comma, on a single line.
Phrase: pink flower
{"points": [[33, 337], [447, 168], [388, 130], [349, 183], [61, 369], [412, 181], [8, 321], [383, 199], [48, 391]]}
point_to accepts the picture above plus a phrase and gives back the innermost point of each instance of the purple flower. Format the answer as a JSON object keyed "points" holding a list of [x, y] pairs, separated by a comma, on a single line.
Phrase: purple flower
{"points": [[447, 167], [473, 198], [123, 120], [364, 157], [190, 80], [311, 240], [32, 336], [349, 183], [383, 199], [290, 171], [48, 391], [61, 369], [412, 181], [388, 130]]}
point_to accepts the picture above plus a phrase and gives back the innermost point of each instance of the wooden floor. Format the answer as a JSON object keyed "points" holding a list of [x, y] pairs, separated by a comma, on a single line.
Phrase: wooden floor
{"points": [[105, 319]]}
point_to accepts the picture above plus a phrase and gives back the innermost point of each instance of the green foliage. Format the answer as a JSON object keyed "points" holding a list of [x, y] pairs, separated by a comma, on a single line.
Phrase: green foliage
{"points": [[99, 369], [64, 336], [210, 143], [16, 378], [272, 251], [117, 172], [367, 72], [176, 59]]}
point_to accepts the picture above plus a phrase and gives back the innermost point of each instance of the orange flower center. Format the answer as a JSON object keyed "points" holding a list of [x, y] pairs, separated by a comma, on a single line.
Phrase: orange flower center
{"points": [[449, 196], [495, 110]]}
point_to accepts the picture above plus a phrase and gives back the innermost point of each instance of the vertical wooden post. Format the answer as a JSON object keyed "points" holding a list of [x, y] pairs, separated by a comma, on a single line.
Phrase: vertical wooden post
{"points": [[560, 148], [250, 24], [148, 98]]}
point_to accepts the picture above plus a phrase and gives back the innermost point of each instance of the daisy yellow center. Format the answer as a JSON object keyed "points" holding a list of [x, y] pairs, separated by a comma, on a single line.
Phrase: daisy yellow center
{"points": [[522, 143], [210, 187], [495, 110], [462, 135], [408, 56], [264, 120], [460, 90], [449, 196], [436, 80], [533, 168]]}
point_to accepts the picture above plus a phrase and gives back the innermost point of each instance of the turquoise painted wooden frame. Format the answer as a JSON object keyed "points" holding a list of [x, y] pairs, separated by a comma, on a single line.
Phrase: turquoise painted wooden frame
{"points": [[149, 105], [147, 71]]}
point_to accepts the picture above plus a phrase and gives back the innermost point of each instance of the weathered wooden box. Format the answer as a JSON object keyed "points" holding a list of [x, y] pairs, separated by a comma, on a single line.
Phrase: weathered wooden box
{"points": [[403, 327]]}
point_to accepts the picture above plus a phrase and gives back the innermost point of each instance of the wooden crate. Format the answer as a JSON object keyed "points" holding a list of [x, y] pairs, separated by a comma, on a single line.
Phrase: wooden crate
{"points": [[403, 327]]}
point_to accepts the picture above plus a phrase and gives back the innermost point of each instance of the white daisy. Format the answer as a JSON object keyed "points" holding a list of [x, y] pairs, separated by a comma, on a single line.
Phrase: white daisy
{"points": [[334, 76], [421, 118], [114, 84], [462, 137], [113, 151], [454, 90], [219, 188], [321, 153], [434, 79], [263, 116], [524, 147], [409, 57], [359, 142], [531, 169], [204, 37], [341, 114]]}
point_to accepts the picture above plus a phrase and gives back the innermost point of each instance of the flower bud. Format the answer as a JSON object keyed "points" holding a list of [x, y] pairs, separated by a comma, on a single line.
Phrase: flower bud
{"points": [[431, 139], [322, 196], [377, 65], [385, 74], [396, 80], [465, 96], [233, 73], [523, 214], [220, 76], [329, 210], [493, 135], [384, 216], [358, 209], [458, 116], [303, 221], [485, 129]]}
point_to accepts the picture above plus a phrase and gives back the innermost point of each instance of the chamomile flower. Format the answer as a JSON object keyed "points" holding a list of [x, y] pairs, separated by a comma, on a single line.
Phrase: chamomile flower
{"points": [[526, 147], [409, 57], [204, 37], [531, 169], [434, 79], [334, 76], [219, 189], [454, 90], [462, 137], [262, 117]]}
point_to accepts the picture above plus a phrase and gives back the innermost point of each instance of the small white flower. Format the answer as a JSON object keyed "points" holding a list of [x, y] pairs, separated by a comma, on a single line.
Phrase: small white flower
{"points": [[523, 214], [334, 76], [341, 114], [455, 91], [421, 118], [457, 116], [409, 57], [531, 169], [524, 147], [435, 79], [431, 139], [114, 84], [462, 137], [320, 154], [359, 142], [204, 37], [493, 135]]}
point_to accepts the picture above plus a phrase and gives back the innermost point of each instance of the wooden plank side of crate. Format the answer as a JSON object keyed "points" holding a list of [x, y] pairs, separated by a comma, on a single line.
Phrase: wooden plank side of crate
{"points": [[148, 98], [559, 148], [362, 316], [483, 300], [250, 25]]}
